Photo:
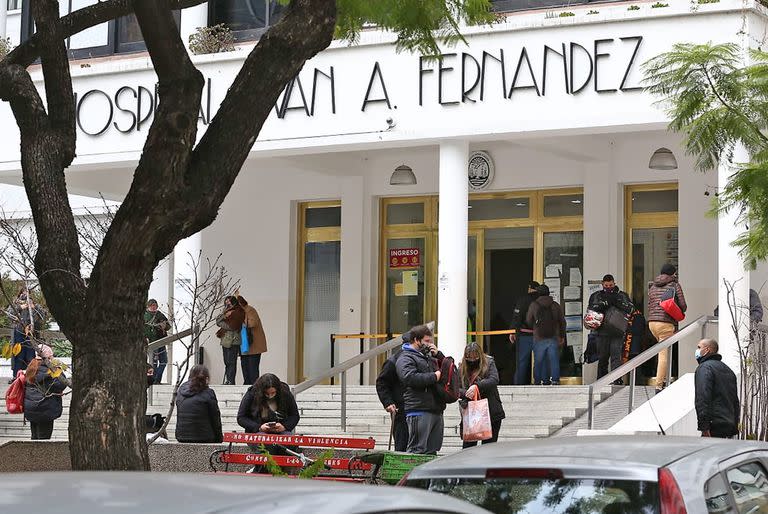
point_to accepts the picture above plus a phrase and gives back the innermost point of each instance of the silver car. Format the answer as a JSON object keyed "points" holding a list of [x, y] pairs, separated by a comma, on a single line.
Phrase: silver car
{"points": [[189, 493], [605, 475]]}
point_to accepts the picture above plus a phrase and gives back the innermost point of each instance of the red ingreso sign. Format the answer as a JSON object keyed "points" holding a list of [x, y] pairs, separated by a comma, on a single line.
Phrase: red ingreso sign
{"points": [[404, 257]]}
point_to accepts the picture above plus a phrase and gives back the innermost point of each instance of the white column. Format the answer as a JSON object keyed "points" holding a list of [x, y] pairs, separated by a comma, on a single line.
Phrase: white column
{"points": [[3, 18], [351, 281], [731, 269], [453, 227], [191, 19]]}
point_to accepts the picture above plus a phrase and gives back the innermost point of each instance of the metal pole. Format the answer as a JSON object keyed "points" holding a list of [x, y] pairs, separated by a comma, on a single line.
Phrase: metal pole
{"points": [[589, 407], [704, 329], [333, 356], [632, 377], [344, 401], [362, 349], [669, 365], [196, 343], [150, 396]]}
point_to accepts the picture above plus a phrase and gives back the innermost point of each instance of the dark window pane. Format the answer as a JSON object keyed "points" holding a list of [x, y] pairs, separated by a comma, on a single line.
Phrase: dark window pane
{"points": [[564, 205], [524, 496], [654, 201], [323, 217], [128, 30], [716, 496], [241, 14], [405, 213], [499, 209], [521, 5]]}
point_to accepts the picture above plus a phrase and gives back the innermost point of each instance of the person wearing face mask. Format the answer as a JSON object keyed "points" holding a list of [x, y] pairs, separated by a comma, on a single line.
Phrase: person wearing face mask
{"points": [[417, 370], [717, 394], [478, 373]]}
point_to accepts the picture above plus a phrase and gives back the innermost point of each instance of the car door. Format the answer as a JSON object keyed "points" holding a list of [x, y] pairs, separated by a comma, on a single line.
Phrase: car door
{"points": [[740, 487]]}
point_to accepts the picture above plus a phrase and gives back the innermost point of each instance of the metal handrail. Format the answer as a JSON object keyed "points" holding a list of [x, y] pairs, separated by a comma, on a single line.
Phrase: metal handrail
{"points": [[47, 334], [342, 368], [631, 365]]}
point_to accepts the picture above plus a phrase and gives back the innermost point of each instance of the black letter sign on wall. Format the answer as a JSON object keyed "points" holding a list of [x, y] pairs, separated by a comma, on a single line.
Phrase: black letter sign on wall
{"points": [[376, 73]]}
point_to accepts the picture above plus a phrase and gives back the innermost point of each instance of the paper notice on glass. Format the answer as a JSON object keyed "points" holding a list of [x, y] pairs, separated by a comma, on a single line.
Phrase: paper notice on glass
{"points": [[594, 286], [575, 277], [575, 341], [573, 323], [399, 289], [411, 283], [572, 308], [554, 271], [572, 293]]}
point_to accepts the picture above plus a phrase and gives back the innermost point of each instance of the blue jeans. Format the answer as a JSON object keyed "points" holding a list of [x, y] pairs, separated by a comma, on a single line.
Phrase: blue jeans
{"points": [[160, 358], [546, 361], [524, 350]]}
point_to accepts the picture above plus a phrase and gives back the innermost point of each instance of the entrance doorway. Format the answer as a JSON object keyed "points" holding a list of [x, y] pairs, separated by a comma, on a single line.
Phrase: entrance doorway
{"points": [[513, 238]]}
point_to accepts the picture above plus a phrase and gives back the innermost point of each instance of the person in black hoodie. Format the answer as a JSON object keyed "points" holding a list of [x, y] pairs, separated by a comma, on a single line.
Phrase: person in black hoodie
{"points": [[390, 392], [548, 321], [610, 345], [478, 373], [42, 394], [417, 371], [717, 395], [523, 337], [268, 407], [198, 417]]}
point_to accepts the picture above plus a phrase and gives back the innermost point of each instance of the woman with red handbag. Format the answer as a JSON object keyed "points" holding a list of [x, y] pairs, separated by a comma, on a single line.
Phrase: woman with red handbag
{"points": [[480, 379], [666, 307]]}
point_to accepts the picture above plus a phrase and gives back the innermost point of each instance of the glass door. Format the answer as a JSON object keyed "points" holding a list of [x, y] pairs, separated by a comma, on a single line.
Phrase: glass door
{"points": [[563, 253], [406, 283], [319, 285]]}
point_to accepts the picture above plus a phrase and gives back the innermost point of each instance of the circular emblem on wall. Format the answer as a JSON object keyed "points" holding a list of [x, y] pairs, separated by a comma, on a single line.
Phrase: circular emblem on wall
{"points": [[480, 171]]}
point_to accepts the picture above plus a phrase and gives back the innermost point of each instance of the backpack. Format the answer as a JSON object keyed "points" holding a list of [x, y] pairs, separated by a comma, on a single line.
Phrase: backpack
{"points": [[14, 396], [545, 324], [448, 387]]}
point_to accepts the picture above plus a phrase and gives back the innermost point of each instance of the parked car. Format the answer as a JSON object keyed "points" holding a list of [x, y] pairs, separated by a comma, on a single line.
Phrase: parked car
{"points": [[188, 493], [605, 475]]}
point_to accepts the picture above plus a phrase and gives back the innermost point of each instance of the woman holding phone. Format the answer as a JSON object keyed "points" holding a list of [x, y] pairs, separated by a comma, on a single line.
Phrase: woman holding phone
{"points": [[268, 407]]}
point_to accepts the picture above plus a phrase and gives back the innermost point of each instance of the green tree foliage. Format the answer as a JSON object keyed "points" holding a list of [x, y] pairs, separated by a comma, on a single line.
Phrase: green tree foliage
{"points": [[420, 25], [717, 102]]}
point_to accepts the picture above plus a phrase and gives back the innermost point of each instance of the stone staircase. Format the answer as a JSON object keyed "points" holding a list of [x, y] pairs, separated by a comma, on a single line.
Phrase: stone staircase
{"points": [[531, 412]]}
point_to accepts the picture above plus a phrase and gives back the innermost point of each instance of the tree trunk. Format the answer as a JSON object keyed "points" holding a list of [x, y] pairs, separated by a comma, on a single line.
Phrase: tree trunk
{"points": [[109, 400]]}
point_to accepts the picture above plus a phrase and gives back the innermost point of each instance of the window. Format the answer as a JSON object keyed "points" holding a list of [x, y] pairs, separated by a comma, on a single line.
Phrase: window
{"points": [[499, 209], [523, 5], [122, 35], [14, 4], [563, 496], [405, 213], [749, 485], [564, 205], [248, 19], [716, 496]]}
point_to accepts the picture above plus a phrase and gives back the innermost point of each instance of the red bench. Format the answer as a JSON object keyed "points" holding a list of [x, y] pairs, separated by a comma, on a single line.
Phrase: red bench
{"points": [[350, 465]]}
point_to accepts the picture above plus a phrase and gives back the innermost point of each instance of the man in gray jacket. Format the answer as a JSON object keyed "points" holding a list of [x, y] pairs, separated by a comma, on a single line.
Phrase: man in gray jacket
{"points": [[418, 374]]}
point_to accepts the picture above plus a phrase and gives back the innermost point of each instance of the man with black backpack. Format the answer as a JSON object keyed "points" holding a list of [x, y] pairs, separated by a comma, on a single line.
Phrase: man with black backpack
{"points": [[390, 392], [614, 304], [548, 321], [419, 375]]}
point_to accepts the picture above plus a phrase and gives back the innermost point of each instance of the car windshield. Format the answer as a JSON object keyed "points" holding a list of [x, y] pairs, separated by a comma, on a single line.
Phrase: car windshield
{"points": [[559, 496]]}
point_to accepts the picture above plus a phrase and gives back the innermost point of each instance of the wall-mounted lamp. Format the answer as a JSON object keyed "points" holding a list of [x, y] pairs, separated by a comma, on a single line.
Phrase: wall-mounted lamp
{"points": [[402, 176], [663, 159]]}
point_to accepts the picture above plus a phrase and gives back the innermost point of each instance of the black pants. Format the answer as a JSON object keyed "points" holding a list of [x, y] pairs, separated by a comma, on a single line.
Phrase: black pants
{"points": [[401, 431], [250, 366], [230, 364], [41, 429], [495, 428], [609, 347]]}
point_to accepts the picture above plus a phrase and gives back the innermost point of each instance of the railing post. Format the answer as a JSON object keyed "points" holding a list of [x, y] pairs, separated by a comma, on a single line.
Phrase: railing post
{"points": [[196, 343], [632, 377], [704, 329], [333, 355], [669, 364], [589, 407], [150, 396], [344, 401], [362, 364]]}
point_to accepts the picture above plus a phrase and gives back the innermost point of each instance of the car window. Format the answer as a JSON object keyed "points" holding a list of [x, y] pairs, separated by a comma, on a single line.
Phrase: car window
{"points": [[749, 485], [559, 496], [716, 496]]}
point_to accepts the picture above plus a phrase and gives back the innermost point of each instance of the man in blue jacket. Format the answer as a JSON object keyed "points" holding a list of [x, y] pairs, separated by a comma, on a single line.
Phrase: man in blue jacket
{"points": [[418, 374]]}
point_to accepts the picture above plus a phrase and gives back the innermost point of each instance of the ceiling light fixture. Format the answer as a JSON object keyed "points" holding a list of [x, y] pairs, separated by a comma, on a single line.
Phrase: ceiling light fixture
{"points": [[663, 159], [402, 176]]}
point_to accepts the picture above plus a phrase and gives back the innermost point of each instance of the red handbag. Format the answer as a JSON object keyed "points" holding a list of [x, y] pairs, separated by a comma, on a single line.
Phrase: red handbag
{"points": [[14, 396], [669, 304]]}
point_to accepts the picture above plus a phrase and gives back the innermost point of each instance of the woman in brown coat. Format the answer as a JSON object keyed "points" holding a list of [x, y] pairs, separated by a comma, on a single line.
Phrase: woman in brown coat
{"points": [[661, 324], [230, 323], [250, 361]]}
